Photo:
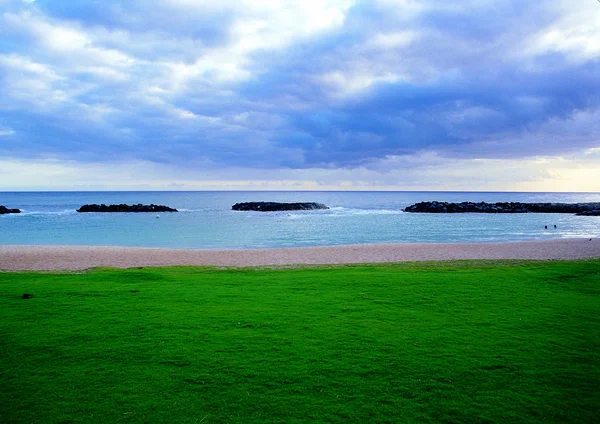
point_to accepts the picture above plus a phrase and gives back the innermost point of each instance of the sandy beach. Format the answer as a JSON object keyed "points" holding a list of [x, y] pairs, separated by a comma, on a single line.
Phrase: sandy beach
{"points": [[13, 258]]}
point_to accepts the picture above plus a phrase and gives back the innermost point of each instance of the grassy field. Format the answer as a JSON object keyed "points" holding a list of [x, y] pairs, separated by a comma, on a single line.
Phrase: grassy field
{"points": [[469, 342]]}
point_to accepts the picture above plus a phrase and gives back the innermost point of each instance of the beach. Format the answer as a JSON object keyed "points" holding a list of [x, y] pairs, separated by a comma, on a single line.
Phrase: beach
{"points": [[56, 258]]}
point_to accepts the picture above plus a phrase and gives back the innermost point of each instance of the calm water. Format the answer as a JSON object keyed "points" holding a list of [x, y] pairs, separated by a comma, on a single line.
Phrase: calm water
{"points": [[206, 221]]}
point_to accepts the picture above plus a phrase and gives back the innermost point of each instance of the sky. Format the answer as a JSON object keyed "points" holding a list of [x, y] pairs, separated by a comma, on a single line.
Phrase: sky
{"points": [[482, 95]]}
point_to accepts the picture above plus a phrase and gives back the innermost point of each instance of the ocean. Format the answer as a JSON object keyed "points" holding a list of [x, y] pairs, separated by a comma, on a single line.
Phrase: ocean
{"points": [[205, 219]]}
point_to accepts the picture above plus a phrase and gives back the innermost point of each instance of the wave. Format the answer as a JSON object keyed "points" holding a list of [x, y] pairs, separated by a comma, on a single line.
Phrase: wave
{"points": [[355, 211], [340, 212], [200, 210], [332, 212], [25, 212]]}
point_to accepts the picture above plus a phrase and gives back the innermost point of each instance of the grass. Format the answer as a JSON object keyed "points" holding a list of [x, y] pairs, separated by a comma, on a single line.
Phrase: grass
{"points": [[465, 342]]}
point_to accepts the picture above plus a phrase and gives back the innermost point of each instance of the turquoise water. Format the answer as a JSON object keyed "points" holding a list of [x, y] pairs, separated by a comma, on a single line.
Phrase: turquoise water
{"points": [[206, 221]]}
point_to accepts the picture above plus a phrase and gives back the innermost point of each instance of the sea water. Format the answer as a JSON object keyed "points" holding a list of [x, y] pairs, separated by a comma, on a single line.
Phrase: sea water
{"points": [[205, 219]]}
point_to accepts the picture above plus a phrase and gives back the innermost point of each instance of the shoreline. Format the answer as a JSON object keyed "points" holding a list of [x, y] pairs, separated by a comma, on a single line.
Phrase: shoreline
{"points": [[71, 258]]}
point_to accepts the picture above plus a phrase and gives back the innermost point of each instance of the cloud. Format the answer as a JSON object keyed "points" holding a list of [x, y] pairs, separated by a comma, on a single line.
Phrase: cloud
{"points": [[574, 33], [421, 171], [297, 85]]}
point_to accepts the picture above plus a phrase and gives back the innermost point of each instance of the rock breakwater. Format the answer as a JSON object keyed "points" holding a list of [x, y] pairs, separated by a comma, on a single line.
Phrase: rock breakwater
{"points": [[586, 209], [125, 208], [274, 206], [5, 210]]}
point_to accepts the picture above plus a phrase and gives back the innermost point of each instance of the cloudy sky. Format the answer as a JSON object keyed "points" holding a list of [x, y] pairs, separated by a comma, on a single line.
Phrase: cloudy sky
{"points": [[323, 94]]}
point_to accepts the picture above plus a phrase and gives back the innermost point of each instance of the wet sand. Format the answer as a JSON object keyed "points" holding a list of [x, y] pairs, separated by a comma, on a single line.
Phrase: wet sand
{"points": [[13, 258]]}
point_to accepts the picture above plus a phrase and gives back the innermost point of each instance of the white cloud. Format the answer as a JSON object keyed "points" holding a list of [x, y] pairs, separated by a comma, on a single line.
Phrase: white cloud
{"points": [[32, 83], [103, 73], [354, 82], [260, 25], [392, 39], [66, 40], [372, 62], [576, 31], [50, 77], [25, 65]]}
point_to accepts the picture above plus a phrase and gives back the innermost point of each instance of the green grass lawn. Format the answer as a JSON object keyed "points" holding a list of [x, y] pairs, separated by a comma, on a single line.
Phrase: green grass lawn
{"points": [[432, 342]]}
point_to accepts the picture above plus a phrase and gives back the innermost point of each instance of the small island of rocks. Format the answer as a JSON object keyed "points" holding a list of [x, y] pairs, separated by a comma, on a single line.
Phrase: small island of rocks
{"points": [[274, 206], [125, 208], [5, 210], [584, 209]]}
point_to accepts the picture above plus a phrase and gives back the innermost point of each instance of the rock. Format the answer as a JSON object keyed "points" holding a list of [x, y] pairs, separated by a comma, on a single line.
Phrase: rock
{"points": [[589, 212], [5, 210], [125, 208], [587, 209], [274, 206]]}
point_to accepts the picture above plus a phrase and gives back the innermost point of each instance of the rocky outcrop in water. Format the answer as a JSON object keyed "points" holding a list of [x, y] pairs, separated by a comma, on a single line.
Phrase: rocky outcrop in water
{"points": [[274, 206], [5, 210], [593, 212], [125, 208], [587, 209]]}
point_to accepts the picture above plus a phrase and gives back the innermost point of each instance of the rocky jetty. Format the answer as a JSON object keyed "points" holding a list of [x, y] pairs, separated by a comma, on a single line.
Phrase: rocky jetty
{"points": [[5, 210], [592, 212], [274, 206], [125, 208], [587, 209]]}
